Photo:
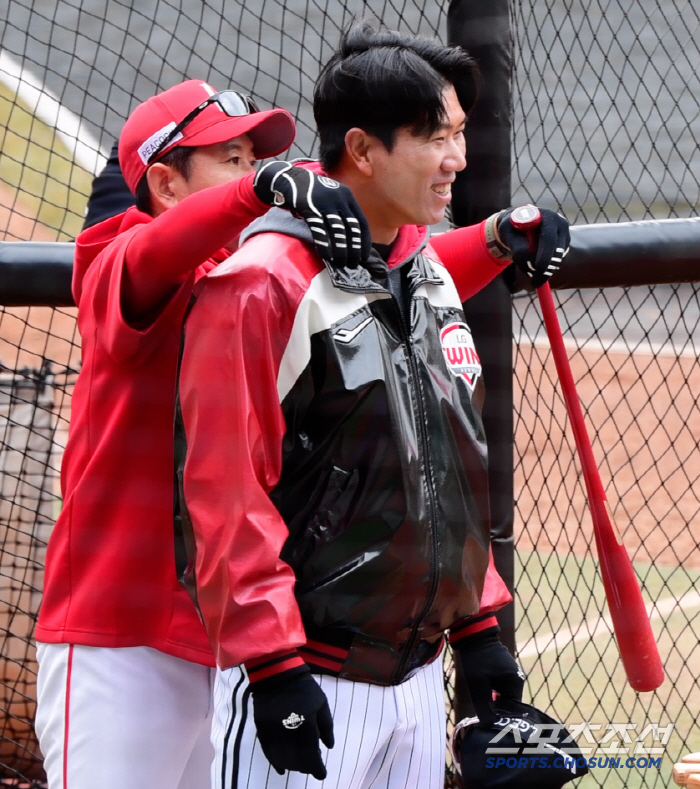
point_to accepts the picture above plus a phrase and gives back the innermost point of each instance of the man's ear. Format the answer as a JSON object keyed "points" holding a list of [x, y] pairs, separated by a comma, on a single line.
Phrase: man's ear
{"points": [[164, 185], [359, 148]]}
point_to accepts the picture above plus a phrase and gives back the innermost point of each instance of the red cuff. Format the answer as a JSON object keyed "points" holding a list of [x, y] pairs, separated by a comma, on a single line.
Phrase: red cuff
{"points": [[471, 627], [272, 665]]}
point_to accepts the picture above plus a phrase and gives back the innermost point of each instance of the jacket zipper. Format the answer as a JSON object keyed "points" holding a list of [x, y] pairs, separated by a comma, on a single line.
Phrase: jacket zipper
{"points": [[430, 486]]}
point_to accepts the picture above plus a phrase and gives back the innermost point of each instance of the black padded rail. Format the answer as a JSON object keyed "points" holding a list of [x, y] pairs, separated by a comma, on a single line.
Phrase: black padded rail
{"points": [[620, 254], [36, 273], [648, 252]]}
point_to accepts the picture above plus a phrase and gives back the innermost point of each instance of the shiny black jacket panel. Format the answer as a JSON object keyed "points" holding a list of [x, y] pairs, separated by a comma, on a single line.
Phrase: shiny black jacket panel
{"points": [[384, 485]]}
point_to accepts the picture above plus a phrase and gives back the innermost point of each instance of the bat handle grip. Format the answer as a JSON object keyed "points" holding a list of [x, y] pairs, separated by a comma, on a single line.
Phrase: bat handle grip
{"points": [[526, 218]]}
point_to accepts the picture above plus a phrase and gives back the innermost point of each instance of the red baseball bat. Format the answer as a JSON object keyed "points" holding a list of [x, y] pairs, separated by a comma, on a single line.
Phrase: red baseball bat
{"points": [[635, 639]]}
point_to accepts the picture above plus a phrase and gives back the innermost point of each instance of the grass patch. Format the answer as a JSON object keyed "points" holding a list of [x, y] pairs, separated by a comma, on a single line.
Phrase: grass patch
{"points": [[38, 171], [584, 681]]}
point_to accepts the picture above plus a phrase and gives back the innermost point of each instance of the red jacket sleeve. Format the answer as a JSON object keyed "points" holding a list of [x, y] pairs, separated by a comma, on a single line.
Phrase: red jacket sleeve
{"points": [[464, 254], [161, 256], [494, 596], [235, 339]]}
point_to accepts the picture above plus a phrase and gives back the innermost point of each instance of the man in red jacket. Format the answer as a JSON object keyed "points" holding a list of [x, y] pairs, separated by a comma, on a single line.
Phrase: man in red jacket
{"points": [[125, 667], [334, 475]]}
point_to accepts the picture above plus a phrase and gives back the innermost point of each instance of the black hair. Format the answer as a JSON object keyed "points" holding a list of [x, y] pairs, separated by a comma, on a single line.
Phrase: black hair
{"points": [[383, 80], [180, 159]]}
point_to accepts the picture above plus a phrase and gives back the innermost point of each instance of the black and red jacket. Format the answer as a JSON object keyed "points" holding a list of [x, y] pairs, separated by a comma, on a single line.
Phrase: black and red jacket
{"points": [[334, 483]]}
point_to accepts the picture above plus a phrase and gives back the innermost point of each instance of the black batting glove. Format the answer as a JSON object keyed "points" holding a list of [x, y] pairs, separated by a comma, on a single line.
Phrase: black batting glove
{"points": [[338, 226], [489, 668], [291, 714], [540, 251]]}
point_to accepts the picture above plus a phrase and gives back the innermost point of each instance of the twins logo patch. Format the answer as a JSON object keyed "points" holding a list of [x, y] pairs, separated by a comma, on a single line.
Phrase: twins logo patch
{"points": [[460, 354]]}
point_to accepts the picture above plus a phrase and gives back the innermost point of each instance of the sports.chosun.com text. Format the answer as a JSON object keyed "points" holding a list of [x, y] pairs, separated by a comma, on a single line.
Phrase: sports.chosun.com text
{"points": [[607, 762]]}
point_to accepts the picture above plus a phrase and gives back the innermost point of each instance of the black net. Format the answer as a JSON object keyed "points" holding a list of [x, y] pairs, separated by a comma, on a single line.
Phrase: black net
{"points": [[607, 107], [40, 354], [606, 128], [71, 72], [634, 357]]}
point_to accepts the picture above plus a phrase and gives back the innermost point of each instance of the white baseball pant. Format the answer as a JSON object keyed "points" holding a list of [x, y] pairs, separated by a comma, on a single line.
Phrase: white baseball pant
{"points": [[385, 737], [130, 717]]}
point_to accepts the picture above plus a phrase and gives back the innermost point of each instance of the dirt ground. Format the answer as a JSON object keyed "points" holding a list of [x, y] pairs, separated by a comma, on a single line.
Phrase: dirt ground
{"points": [[18, 223], [643, 419]]}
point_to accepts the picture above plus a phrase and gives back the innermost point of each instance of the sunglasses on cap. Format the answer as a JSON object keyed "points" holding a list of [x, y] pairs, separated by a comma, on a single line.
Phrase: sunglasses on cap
{"points": [[232, 103]]}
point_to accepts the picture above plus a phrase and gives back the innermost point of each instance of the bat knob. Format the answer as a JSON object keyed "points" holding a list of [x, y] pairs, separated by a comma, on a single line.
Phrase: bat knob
{"points": [[525, 217]]}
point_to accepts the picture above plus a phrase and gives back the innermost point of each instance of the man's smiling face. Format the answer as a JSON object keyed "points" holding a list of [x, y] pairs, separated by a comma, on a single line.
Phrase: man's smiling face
{"points": [[415, 178]]}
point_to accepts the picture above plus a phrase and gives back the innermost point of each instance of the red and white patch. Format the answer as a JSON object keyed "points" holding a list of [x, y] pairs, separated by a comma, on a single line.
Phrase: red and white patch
{"points": [[460, 354]]}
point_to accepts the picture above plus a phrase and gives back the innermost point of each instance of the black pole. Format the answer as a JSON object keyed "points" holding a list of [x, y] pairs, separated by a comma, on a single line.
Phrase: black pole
{"points": [[483, 29]]}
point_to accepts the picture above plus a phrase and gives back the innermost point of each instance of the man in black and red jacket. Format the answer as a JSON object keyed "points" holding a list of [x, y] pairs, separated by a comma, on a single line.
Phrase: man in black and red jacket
{"points": [[334, 483]]}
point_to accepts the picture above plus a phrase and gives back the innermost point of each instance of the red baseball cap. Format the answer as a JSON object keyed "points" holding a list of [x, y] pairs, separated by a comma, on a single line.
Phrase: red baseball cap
{"points": [[271, 132]]}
